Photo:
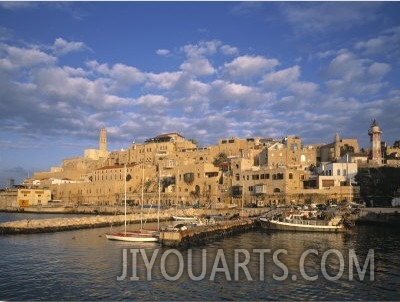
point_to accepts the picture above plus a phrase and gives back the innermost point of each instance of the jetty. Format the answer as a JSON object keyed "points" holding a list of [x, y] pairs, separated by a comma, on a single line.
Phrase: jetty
{"points": [[384, 216], [29, 226], [205, 233]]}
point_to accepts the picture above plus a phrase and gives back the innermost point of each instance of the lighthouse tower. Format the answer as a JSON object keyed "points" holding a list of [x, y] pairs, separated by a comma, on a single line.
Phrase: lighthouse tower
{"points": [[375, 138]]}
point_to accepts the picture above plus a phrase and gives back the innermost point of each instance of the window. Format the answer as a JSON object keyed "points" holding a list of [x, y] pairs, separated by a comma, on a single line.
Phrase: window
{"points": [[338, 172], [290, 175]]}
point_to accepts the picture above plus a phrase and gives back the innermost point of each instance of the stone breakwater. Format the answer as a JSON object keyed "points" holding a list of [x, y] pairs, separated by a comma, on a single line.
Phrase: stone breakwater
{"points": [[26, 226], [384, 216], [205, 233]]}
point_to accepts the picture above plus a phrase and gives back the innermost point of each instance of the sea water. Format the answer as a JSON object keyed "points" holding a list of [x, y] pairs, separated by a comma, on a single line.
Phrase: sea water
{"points": [[258, 265]]}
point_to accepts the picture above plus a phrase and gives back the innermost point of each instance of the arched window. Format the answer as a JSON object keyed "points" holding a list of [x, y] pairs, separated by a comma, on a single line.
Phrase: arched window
{"points": [[276, 190], [290, 175]]}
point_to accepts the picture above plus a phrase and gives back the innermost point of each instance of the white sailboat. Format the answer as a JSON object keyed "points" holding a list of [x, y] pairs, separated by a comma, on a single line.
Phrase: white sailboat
{"points": [[140, 235]]}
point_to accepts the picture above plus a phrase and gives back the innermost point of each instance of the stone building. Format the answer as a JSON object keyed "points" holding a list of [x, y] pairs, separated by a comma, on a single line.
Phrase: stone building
{"points": [[102, 152], [332, 152], [288, 153], [33, 197], [256, 169]]}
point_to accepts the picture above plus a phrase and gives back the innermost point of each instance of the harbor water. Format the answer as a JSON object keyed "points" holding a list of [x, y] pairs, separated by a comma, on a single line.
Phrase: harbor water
{"points": [[258, 265]]}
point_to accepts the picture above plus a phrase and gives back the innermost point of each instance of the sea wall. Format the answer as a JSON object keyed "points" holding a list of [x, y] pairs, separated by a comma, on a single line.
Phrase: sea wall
{"points": [[206, 233], [386, 216], [26, 226]]}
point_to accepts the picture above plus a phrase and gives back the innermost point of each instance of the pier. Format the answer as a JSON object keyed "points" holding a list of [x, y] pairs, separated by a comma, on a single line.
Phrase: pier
{"points": [[26, 226], [206, 233]]}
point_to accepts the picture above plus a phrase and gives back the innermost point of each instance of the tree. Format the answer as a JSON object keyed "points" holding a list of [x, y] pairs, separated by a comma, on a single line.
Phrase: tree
{"points": [[193, 141], [378, 184], [220, 159], [396, 144]]}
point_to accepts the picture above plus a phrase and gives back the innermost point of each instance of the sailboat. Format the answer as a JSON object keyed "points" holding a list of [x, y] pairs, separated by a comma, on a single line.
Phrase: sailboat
{"points": [[140, 235]]}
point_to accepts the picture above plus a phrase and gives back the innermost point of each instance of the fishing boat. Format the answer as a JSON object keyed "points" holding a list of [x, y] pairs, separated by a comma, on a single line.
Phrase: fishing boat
{"points": [[184, 218], [298, 222], [140, 235]]}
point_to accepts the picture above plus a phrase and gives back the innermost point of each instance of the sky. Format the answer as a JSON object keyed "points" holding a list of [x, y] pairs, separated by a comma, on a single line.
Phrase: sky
{"points": [[207, 70]]}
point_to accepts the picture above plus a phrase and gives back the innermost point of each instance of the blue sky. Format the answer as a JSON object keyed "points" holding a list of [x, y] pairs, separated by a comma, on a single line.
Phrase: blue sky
{"points": [[207, 70]]}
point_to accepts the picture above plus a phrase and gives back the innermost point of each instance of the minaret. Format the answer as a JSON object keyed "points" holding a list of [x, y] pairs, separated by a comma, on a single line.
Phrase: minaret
{"points": [[103, 141], [375, 138]]}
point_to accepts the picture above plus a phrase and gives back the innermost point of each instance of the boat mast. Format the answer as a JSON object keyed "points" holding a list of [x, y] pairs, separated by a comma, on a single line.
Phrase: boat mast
{"points": [[177, 193], [242, 196], [125, 193], [141, 207], [159, 196]]}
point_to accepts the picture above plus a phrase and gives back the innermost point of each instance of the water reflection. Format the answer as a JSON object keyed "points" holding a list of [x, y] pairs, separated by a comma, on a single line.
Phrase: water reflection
{"points": [[82, 264]]}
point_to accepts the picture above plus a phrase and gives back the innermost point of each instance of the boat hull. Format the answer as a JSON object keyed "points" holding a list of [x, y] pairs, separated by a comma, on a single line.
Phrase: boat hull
{"points": [[181, 218], [133, 237], [287, 226]]}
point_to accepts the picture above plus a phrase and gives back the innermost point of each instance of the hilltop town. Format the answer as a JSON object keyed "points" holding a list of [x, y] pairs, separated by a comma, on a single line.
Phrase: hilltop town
{"points": [[249, 171]]}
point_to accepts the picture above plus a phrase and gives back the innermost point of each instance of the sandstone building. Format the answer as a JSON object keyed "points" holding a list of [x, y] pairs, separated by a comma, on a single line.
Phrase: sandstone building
{"points": [[254, 170]]}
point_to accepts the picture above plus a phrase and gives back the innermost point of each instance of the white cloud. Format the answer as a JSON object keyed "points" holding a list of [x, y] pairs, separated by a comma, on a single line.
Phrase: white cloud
{"points": [[303, 89], [383, 44], [378, 70], [348, 74], [281, 78], [248, 66], [197, 66], [317, 17], [162, 52], [17, 58], [163, 80], [229, 50], [14, 5], [62, 47], [203, 48], [153, 103]]}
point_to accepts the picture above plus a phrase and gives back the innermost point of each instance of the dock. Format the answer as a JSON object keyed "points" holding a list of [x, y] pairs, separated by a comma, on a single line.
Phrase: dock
{"points": [[205, 233]]}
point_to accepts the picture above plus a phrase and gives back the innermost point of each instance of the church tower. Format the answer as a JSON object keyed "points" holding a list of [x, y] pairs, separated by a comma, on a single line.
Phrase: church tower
{"points": [[375, 138], [103, 141]]}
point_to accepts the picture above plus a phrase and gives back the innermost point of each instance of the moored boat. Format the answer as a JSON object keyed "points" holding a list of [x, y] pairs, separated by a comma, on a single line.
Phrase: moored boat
{"points": [[136, 236], [184, 218], [298, 222], [140, 235]]}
